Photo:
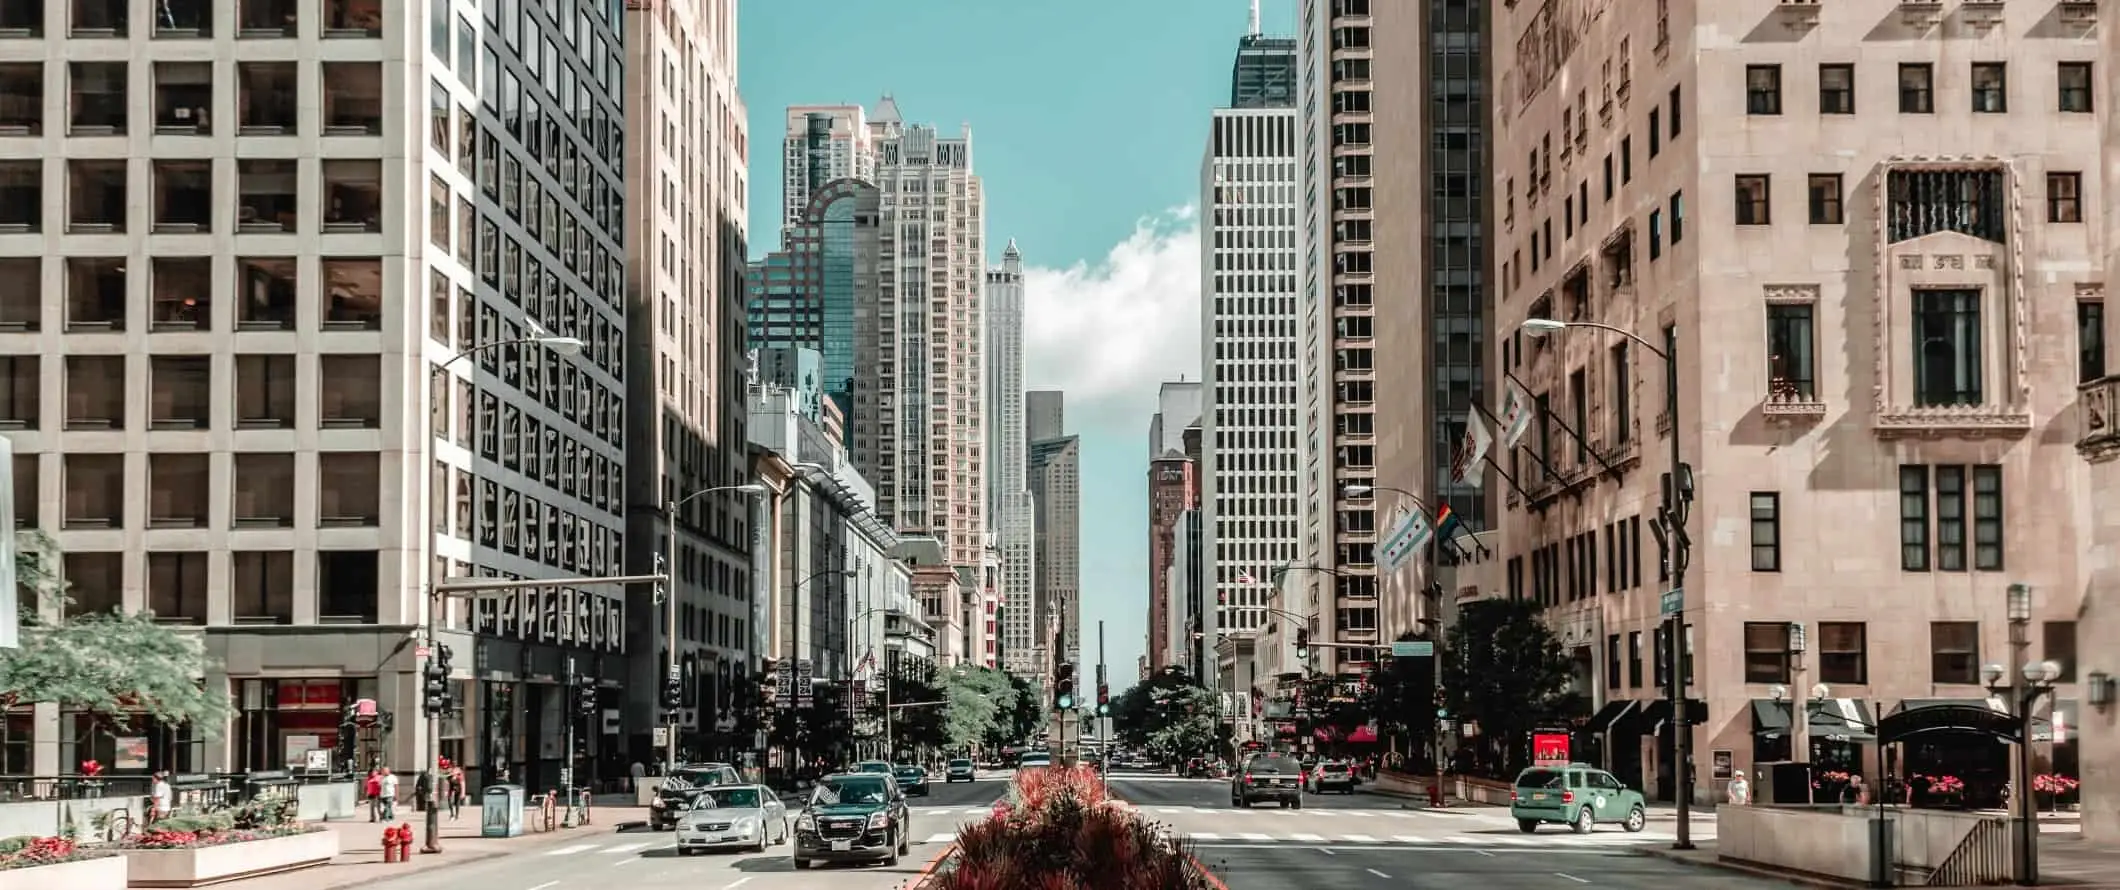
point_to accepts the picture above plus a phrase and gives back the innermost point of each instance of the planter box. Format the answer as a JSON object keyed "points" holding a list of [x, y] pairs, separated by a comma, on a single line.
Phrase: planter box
{"points": [[102, 873], [200, 866]]}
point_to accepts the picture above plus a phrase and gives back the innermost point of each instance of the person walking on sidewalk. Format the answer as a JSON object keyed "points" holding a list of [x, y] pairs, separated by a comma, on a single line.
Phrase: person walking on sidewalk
{"points": [[453, 786], [159, 798], [372, 790], [1740, 790], [387, 792]]}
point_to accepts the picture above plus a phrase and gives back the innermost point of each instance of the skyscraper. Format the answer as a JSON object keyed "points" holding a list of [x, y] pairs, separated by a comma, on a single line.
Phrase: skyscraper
{"points": [[1055, 475], [822, 144], [1173, 494], [1011, 511], [1264, 73], [806, 294], [687, 402]]}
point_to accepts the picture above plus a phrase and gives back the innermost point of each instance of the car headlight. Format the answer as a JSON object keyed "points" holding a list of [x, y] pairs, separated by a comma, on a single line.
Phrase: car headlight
{"points": [[655, 802], [806, 822], [746, 825], [879, 820]]}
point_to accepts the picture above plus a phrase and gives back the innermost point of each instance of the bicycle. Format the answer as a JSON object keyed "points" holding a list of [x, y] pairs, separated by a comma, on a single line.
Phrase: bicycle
{"points": [[115, 825]]}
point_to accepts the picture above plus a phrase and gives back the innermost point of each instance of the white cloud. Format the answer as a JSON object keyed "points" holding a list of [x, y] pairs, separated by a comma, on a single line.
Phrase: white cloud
{"points": [[1109, 334]]}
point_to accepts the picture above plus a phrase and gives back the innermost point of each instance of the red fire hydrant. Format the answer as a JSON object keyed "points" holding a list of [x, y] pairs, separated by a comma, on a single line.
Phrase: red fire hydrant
{"points": [[390, 844], [404, 842], [1435, 794]]}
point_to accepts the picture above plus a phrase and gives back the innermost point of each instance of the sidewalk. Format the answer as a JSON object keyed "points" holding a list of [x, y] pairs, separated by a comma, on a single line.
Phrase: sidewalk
{"points": [[2064, 860], [360, 859]]}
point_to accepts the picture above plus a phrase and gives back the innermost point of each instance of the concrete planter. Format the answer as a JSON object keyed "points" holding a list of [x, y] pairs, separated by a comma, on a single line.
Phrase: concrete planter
{"points": [[101, 873], [200, 866]]}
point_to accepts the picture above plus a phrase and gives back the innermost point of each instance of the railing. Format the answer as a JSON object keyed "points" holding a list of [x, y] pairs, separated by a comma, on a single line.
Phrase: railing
{"points": [[221, 788], [1983, 857]]}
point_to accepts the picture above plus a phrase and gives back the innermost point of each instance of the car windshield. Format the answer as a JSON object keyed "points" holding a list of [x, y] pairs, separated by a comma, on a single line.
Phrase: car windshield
{"points": [[960, 762], [1268, 764], [849, 790], [1540, 778], [909, 771], [727, 798], [873, 766], [703, 775]]}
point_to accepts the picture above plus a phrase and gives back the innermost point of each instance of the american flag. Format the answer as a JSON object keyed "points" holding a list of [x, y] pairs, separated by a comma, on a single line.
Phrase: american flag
{"points": [[867, 661]]}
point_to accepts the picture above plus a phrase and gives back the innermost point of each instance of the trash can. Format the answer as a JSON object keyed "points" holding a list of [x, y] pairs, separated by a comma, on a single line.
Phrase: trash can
{"points": [[501, 811]]}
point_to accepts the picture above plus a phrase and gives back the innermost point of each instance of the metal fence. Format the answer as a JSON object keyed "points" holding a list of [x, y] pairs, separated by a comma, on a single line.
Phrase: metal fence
{"points": [[188, 791]]}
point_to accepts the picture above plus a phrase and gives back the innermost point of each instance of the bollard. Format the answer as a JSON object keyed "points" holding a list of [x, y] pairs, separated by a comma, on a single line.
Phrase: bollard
{"points": [[404, 842]]}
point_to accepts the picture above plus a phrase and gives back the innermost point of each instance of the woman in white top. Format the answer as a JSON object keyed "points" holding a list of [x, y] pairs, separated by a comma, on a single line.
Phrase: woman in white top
{"points": [[1740, 790]]}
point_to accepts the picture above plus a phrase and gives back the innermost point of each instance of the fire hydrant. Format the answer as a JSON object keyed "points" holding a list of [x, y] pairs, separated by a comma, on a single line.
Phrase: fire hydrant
{"points": [[1435, 794], [404, 842], [390, 843]]}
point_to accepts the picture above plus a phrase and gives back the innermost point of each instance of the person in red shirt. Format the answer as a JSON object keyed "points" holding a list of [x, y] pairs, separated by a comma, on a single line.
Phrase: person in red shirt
{"points": [[373, 790]]}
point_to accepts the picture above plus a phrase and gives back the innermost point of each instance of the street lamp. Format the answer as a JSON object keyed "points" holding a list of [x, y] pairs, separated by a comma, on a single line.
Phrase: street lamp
{"points": [[1677, 495], [2032, 681], [668, 595]]}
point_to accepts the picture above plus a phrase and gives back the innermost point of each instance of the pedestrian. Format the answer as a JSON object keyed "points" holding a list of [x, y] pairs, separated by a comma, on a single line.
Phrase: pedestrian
{"points": [[638, 771], [386, 794], [160, 798], [1855, 793], [453, 785], [372, 791], [1740, 790]]}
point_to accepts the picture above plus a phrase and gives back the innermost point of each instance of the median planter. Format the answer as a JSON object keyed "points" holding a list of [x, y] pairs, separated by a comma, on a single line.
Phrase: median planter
{"points": [[212, 861], [91, 873], [1060, 832]]}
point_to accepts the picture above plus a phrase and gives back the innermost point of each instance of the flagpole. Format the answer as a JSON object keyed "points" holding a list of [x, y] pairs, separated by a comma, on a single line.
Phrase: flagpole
{"points": [[1512, 448], [1572, 433]]}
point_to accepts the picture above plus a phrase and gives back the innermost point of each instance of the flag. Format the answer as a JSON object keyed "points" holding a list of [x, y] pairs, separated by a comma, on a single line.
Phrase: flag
{"points": [[1465, 467], [1246, 578], [1516, 415], [1408, 537], [1446, 523]]}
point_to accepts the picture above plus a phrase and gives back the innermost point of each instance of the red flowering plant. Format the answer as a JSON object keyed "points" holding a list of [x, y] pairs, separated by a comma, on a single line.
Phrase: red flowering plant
{"points": [[1946, 785], [91, 768], [31, 851], [1059, 830], [2054, 783]]}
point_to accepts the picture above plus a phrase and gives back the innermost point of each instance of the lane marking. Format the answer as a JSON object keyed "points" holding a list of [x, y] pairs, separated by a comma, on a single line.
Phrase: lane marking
{"points": [[1206, 836], [739, 882], [943, 838], [1327, 851], [1308, 838], [1408, 839], [1572, 878], [1358, 838], [624, 848], [1484, 853], [1256, 838], [568, 851], [625, 862], [544, 885], [1379, 874]]}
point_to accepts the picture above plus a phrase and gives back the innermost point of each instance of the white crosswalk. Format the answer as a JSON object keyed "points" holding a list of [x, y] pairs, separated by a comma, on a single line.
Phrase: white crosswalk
{"points": [[1542, 839], [1225, 811]]}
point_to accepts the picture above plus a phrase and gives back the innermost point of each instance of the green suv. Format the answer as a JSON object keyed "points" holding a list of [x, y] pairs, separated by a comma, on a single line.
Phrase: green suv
{"points": [[1577, 795]]}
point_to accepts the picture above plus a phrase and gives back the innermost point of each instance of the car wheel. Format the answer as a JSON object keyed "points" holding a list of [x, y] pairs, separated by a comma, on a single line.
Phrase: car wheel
{"points": [[765, 839], [1636, 819], [1296, 804], [801, 864], [1584, 821], [905, 842], [1527, 826]]}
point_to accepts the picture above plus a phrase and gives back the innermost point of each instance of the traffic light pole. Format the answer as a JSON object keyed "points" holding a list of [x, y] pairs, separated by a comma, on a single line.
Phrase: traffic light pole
{"points": [[1104, 763]]}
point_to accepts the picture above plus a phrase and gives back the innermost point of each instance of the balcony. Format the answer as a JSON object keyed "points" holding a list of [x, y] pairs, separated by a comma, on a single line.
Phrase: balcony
{"points": [[179, 392], [21, 98], [21, 197], [183, 98], [183, 197], [353, 99], [95, 294], [266, 19], [349, 486], [264, 490], [265, 192], [96, 581], [352, 18], [268, 299], [183, 294], [94, 491], [353, 294], [178, 490], [22, 398], [347, 585], [27, 498], [265, 392], [263, 588], [176, 587], [353, 196], [181, 19], [96, 98], [354, 400], [21, 20], [97, 18], [95, 196], [265, 98], [95, 392]]}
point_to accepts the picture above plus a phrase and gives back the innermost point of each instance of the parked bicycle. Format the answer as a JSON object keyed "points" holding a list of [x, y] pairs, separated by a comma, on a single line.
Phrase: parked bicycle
{"points": [[115, 825]]}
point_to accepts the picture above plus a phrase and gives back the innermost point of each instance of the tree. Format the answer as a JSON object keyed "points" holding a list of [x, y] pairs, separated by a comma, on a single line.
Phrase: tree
{"points": [[821, 728], [981, 700], [119, 668], [1505, 671], [1167, 714], [1405, 696], [1025, 717], [915, 726]]}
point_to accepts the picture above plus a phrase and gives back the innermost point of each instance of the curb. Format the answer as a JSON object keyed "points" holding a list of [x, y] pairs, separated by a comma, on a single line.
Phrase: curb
{"points": [[1798, 880], [385, 878], [1213, 882], [927, 872]]}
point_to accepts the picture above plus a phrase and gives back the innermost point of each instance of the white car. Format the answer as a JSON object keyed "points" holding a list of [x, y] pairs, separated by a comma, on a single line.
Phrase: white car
{"points": [[725, 816]]}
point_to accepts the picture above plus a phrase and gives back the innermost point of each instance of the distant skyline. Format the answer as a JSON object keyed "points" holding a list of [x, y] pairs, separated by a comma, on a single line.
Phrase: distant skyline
{"points": [[1093, 169]]}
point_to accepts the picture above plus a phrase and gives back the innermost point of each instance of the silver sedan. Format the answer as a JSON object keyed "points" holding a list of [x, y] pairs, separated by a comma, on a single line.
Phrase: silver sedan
{"points": [[733, 816]]}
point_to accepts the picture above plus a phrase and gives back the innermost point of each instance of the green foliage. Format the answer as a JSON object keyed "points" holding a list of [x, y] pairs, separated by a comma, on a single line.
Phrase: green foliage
{"points": [[982, 709], [820, 728], [1026, 717], [918, 728], [1504, 670], [1169, 715], [1404, 698], [118, 667]]}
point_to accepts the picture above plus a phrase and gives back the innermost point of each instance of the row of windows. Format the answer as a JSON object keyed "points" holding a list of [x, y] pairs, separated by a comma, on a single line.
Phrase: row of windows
{"points": [[1826, 205], [1950, 520], [1988, 93]]}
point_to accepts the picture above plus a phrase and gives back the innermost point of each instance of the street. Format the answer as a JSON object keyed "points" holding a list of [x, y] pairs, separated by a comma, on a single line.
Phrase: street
{"points": [[644, 860], [1366, 840]]}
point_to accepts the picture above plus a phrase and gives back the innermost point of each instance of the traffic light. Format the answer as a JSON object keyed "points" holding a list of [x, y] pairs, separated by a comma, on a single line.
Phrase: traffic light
{"points": [[1064, 687], [437, 685], [1104, 698], [673, 694], [585, 700], [1302, 644], [766, 699]]}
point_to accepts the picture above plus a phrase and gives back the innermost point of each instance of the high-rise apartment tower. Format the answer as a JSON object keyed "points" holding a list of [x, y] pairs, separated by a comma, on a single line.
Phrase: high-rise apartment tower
{"points": [[1011, 511]]}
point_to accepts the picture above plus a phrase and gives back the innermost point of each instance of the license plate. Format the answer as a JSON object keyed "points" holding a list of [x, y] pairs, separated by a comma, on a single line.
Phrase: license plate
{"points": [[842, 846], [1538, 795]]}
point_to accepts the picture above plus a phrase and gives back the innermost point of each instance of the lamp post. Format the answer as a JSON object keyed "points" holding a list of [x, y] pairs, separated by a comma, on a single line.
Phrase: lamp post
{"points": [[1434, 621], [1678, 494], [559, 346], [664, 561], [2025, 687]]}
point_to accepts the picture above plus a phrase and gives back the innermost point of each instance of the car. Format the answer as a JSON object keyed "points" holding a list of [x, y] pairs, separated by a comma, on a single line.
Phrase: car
{"points": [[1577, 795], [853, 817], [1334, 775], [674, 796], [1269, 777], [911, 779], [723, 816], [1034, 760], [960, 770], [874, 767]]}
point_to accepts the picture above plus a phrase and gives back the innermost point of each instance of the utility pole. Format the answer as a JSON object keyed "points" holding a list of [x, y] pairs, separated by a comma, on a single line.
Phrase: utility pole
{"points": [[1104, 723]]}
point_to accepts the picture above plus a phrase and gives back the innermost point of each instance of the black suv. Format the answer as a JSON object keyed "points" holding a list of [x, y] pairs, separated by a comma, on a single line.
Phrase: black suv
{"points": [[853, 818], [675, 795], [1270, 777]]}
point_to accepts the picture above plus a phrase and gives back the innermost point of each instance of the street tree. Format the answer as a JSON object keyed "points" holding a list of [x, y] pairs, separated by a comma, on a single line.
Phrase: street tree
{"points": [[822, 728], [1404, 698], [1505, 671], [1167, 714], [980, 700], [1025, 716], [120, 668], [918, 707]]}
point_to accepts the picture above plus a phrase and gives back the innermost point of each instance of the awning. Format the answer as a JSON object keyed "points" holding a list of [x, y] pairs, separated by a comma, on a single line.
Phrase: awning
{"points": [[1654, 714], [1917, 717], [1917, 703], [1842, 720], [2058, 726], [1770, 718], [1611, 713]]}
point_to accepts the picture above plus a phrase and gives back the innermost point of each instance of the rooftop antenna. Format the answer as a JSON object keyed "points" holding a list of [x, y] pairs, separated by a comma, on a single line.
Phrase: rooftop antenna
{"points": [[1254, 31]]}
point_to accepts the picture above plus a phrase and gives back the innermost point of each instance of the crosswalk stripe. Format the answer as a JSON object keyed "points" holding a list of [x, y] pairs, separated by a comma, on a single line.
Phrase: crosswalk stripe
{"points": [[943, 838], [1205, 836], [976, 811], [1308, 838], [1358, 838], [1256, 837], [1408, 839], [622, 849], [569, 851]]}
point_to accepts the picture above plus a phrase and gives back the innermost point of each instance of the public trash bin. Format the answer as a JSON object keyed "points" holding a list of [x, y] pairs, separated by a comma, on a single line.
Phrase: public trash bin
{"points": [[501, 811]]}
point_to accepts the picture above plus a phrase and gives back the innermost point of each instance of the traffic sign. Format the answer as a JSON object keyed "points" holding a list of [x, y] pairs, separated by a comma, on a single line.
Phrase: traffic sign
{"points": [[1414, 649], [1674, 601], [662, 736], [419, 652]]}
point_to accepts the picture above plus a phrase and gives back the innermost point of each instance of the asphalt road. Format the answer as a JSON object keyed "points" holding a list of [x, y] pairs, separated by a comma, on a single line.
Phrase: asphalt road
{"points": [[638, 859], [1364, 840]]}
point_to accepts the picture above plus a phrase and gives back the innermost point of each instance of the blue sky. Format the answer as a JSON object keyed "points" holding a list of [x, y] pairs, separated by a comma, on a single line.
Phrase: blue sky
{"points": [[1088, 124]]}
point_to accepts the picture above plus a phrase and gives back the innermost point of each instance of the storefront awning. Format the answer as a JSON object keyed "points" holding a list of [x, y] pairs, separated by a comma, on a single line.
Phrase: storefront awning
{"points": [[2058, 726], [1611, 713], [1917, 717], [1842, 720], [1770, 718]]}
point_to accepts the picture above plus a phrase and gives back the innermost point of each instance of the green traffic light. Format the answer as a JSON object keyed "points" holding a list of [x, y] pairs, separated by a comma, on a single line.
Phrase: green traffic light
{"points": [[1067, 702], [1104, 710]]}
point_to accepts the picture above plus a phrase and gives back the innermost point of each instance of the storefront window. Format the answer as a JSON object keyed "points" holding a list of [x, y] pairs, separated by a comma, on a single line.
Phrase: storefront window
{"points": [[16, 733], [280, 721], [139, 746]]}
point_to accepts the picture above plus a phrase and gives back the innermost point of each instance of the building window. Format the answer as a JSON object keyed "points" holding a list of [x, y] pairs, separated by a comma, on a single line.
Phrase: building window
{"points": [[2064, 197], [1791, 352], [1754, 204], [1947, 367], [1836, 89], [1987, 518], [1954, 652], [2075, 84], [1970, 202], [1612, 665], [1843, 652], [1767, 652], [1622, 392], [1678, 217], [1766, 531], [1762, 89], [1991, 88], [1825, 202], [1950, 518], [1917, 88], [1656, 234], [2058, 645], [1914, 518], [2090, 340], [1634, 659]]}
